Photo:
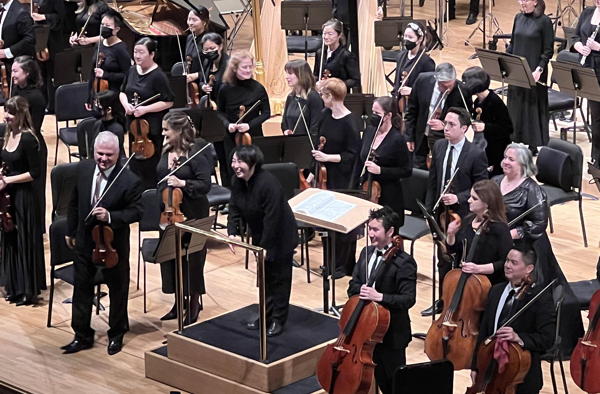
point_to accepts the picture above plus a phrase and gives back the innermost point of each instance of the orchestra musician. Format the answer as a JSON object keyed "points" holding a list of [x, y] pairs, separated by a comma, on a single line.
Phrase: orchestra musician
{"points": [[486, 209], [303, 97], [109, 117], [492, 119], [88, 19], [449, 154], [114, 54], [145, 79], [391, 161], [214, 61], [199, 24], [415, 42], [27, 83], [395, 289], [16, 31], [257, 199], [533, 330], [338, 155], [117, 208], [193, 179], [532, 37], [51, 13], [587, 26], [339, 61], [423, 119], [22, 272]]}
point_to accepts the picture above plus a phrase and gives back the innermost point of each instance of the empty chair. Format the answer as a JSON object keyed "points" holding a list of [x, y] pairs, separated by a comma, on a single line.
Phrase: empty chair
{"points": [[69, 107]]}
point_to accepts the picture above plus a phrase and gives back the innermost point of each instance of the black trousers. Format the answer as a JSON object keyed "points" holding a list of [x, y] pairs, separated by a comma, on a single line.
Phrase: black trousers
{"points": [[278, 281], [595, 111], [388, 360], [87, 274]]}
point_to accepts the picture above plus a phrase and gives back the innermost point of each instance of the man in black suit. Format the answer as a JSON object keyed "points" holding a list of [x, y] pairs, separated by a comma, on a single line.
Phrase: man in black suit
{"points": [[16, 30], [449, 154], [395, 289], [118, 208], [532, 330], [439, 89]]}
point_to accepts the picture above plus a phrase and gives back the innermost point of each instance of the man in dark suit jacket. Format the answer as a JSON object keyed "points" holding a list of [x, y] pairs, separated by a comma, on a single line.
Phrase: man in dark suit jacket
{"points": [[453, 152], [395, 289], [16, 31], [428, 90], [118, 208], [532, 330]]}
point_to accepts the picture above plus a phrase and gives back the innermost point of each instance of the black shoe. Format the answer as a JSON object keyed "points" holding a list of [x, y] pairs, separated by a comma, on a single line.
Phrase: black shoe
{"points": [[24, 300], [193, 311], [170, 315], [275, 328], [115, 345], [438, 306], [252, 324], [472, 18], [77, 345], [421, 3]]}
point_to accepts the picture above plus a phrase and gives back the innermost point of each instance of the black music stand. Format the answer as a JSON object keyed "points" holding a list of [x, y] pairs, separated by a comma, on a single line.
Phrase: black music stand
{"points": [[390, 30], [297, 149], [360, 104], [506, 68], [434, 377], [305, 15], [212, 128], [271, 147], [576, 80], [66, 67]]}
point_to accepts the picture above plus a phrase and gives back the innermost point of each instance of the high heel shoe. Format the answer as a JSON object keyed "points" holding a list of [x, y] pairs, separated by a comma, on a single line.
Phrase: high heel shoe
{"points": [[193, 311], [171, 315]]}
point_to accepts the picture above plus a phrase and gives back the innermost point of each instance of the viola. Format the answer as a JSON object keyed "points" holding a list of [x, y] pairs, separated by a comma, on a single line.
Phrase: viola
{"points": [[370, 187], [454, 334], [6, 221], [103, 253], [171, 214], [142, 146], [585, 359], [321, 177], [100, 84], [243, 138], [209, 103], [347, 365], [402, 100]]}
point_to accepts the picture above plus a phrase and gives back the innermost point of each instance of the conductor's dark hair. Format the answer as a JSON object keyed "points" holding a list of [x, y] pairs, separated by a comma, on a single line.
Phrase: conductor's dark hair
{"points": [[463, 115], [476, 80], [387, 216], [528, 254], [115, 16], [249, 154], [149, 43]]}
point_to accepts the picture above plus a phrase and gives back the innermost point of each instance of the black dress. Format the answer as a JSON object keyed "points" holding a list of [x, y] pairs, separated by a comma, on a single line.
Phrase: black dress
{"points": [[492, 247], [116, 64], [22, 250], [532, 38], [261, 204], [498, 129], [196, 174], [405, 64], [342, 64], [146, 86], [311, 109], [394, 159]]}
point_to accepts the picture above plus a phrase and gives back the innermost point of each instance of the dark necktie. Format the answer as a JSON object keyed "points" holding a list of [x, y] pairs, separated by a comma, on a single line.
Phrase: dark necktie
{"points": [[448, 172], [506, 309], [378, 255]]}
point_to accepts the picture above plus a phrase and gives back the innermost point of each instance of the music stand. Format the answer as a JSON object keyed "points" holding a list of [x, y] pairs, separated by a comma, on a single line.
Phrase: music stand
{"points": [[178, 86], [576, 80], [166, 249], [297, 149], [506, 68], [305, 15], [434, 377], [271, 147], [390, 30], [360, 104], [212, 129]]}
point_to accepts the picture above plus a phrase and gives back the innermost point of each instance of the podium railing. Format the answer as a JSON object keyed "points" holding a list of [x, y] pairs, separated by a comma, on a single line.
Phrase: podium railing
{"points": [[260, 257]]}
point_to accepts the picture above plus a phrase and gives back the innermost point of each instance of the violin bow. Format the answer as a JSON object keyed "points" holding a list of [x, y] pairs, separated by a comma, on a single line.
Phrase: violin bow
{"points": [[527, 212], [462, 96], [405, 79], [199, 58], [246, 113], [147, 100], [446, 188], [107, 188], [84, 25], [182, 164], [322, 56], [312, 145], [522, 310], [362, 172]]}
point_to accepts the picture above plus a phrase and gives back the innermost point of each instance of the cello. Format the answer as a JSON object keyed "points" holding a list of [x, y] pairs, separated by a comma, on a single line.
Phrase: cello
{"points": [[585, 359], [347, 365], [454, 334]]}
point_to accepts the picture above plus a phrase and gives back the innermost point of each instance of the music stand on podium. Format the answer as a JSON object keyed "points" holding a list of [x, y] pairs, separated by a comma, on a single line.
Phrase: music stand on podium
{"points": [[167, 251], [337, 213], [577, 80], [506, 68], [305, 15]]}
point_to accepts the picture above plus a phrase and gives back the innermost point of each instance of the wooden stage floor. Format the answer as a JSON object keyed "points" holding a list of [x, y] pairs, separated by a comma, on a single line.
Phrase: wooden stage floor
{"points": [[32, 361]]}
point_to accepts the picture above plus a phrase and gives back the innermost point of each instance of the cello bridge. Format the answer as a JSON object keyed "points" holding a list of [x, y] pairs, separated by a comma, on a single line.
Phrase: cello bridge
{"points": [[588, 343], [449, 324], [341, 349]]}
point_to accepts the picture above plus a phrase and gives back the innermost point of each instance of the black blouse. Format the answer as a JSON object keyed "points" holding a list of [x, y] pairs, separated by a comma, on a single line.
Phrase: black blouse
{"points": [[246, 93], [492, 247], [116, 64], [146, 86], [341, 138], [25, 158], [404, 64], [311, 109], [519, 200], [533, 38], [196, 174], [342, 64], [583, 31], [37, 105]]}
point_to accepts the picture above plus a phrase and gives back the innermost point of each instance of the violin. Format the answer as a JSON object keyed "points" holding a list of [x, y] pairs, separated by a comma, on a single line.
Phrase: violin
{"points": [[370, 187], [243, 138], [585, 359], [321, 171], [6, 221], [100, 84], [172, 198], [192, 87], [454, 334], [402, 100], [4, 73], [210, 104], [347, 365], [103, 253], [142, 146]]}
